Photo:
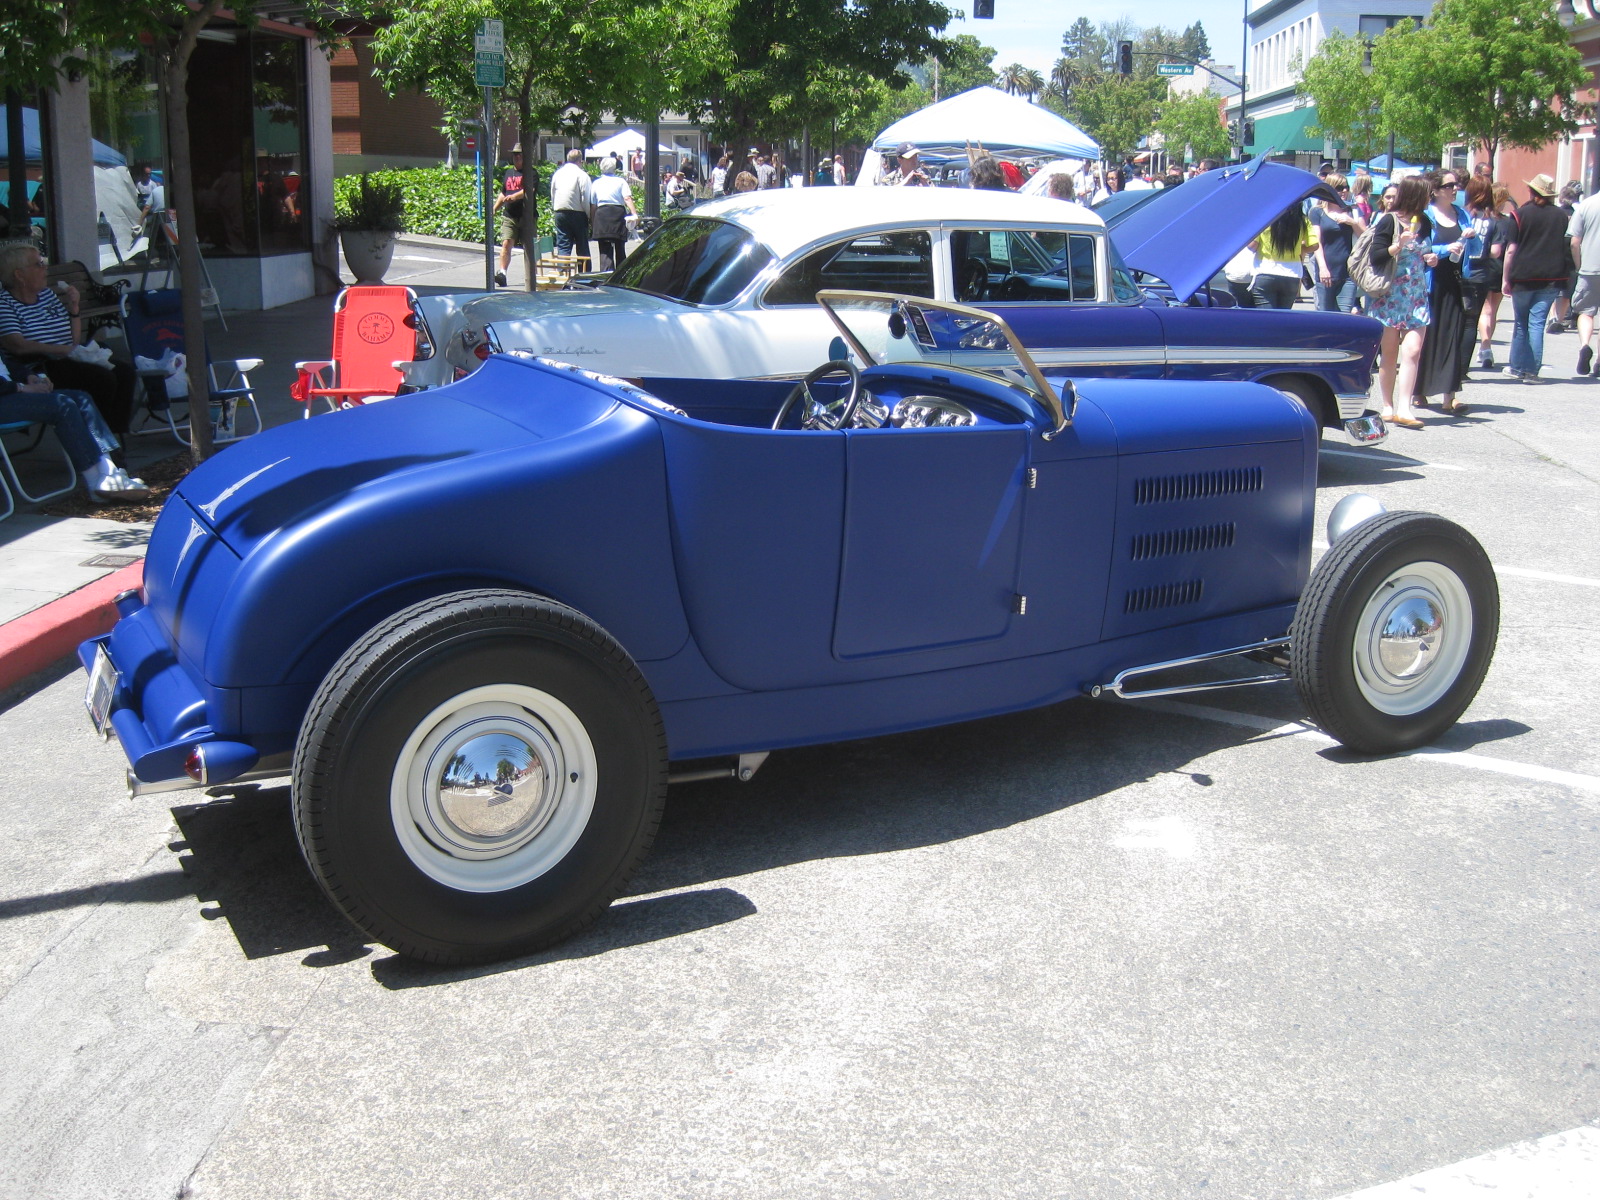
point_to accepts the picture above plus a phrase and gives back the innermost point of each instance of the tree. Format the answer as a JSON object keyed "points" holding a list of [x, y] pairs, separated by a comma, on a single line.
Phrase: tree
{"points": [[964, 63], [758, 74], [1347, 96], [1507, 74], [1193, 122], [1082, 44], [1117, 110], [1011, 78], [1194, 43]]}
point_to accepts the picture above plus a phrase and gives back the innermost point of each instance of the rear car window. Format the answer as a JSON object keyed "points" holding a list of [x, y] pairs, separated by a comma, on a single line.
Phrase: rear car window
{"points": [[1049, 265], [695, 261], [901, 261]]}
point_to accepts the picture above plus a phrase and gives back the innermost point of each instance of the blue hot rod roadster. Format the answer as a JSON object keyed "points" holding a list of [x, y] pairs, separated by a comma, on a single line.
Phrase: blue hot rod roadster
{"points": [[481, 627]]}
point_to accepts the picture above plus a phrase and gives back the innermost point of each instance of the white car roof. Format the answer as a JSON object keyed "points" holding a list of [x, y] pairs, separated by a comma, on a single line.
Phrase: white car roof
{"points": [[785, 219]]}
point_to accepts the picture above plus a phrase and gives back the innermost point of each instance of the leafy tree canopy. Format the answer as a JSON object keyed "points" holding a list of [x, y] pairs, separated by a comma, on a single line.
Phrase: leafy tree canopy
{"points": [[1193, 123]]}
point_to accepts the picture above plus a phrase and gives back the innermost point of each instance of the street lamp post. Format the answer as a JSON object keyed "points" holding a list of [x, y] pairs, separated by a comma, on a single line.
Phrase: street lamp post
{"points": [[1244, 78]]}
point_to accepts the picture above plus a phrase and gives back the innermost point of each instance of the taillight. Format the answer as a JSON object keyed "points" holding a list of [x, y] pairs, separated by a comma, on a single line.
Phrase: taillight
{"points": [[481, 351]]}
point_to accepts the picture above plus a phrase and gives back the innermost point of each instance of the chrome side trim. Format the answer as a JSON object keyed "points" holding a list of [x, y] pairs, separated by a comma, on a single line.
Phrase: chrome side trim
{"points": [[1122, 356], [1118, 685], [138, 787]]}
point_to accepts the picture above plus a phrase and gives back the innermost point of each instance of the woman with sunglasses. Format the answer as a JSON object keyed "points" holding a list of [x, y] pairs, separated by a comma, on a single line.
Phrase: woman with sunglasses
{"points": [[1442, 368]]}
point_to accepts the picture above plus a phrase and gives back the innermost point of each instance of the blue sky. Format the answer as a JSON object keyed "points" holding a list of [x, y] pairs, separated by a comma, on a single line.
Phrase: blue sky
{"points": [[1028, 32]]}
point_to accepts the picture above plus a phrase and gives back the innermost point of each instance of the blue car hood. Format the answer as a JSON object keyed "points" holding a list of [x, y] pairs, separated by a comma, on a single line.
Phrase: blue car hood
{"points": [[287, 474], [1186, 234]]}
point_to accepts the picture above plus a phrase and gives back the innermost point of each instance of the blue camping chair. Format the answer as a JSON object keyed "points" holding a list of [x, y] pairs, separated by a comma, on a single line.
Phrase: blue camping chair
{"points": [[153, 322]]}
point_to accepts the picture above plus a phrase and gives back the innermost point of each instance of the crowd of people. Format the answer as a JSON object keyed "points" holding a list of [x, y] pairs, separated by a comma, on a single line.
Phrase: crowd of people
{"points": [[1439, 256]]}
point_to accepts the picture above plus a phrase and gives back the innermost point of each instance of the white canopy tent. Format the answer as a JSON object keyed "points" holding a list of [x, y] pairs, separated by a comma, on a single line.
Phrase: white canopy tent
{"points": [[625, 142], [1005, 126]]}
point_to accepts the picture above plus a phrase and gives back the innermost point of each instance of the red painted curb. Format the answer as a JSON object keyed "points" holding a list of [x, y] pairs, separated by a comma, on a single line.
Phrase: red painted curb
{"points": [[36, 640]]}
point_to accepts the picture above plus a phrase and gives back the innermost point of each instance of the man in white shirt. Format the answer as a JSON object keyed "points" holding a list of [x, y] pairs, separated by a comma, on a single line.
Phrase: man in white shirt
{"points": [[1584, 230], [572, 205], [838, 170]]}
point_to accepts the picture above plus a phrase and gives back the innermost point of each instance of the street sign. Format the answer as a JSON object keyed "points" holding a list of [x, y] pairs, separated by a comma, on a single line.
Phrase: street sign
{"points": [[489, 54], [1174, 68]]}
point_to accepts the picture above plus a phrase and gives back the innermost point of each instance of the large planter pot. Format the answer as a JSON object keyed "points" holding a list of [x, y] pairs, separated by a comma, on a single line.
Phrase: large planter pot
{"points": [[367, 253]]}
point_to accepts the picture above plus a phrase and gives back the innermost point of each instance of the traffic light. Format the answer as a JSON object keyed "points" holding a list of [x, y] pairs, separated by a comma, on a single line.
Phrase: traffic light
{"points": [[1124, 58], [983, 10], [1233, 133], [1250, 131]]}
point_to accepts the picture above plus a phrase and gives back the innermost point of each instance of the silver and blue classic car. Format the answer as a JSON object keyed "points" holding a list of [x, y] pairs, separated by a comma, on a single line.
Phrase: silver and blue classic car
{"points": [[730, 290], [482, 627]]}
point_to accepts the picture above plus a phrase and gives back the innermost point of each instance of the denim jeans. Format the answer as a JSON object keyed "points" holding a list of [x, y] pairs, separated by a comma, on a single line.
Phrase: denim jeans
{"points": [[78, 424], [1337, 299], [1275, 291], [1531, 307]]}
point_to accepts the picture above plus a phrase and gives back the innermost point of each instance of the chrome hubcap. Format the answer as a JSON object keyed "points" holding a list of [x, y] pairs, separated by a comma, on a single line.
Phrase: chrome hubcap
{"points": [[1410, 632], [493, 788], [491, 785], [1412, 639]]}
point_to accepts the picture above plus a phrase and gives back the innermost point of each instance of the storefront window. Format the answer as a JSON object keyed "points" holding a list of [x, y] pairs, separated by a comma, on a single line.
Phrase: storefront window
{"points": [[129, 162], [247, 133]]}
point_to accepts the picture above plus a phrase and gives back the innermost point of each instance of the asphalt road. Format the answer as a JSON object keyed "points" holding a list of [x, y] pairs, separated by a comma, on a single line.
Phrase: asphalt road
{"points": [[1098, 951]]}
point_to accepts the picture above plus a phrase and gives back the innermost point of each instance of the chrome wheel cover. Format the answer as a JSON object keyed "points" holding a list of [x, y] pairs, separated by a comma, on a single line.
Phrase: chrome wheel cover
{"points": [[493, 788], [1412, 638]]}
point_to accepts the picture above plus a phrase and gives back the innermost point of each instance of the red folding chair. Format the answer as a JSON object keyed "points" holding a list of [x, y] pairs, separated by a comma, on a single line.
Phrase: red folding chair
{"points": [[374, 330]]}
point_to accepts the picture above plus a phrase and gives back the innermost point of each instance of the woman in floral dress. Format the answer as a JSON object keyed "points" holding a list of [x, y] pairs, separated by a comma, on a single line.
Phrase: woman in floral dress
{"points": [[1398, 240]]}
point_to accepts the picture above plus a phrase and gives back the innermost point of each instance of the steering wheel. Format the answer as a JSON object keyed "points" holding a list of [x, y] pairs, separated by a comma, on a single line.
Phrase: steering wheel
{"points": [[817, 415]]}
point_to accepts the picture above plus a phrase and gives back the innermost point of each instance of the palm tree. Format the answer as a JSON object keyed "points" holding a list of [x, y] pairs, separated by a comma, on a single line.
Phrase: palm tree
{"points": [[1031, 83], [1012, 79]]}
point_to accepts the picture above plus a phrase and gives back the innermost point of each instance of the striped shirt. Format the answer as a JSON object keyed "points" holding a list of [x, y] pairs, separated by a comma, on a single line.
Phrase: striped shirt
{"points": [[45, 320]]}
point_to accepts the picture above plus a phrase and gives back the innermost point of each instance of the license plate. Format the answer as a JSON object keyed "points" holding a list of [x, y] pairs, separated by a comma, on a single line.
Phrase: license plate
{"points": [[101, 692]]}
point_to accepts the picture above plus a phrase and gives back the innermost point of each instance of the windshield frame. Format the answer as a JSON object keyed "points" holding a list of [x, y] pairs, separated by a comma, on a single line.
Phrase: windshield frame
{"points": [[1059, 408], [747, 245]]}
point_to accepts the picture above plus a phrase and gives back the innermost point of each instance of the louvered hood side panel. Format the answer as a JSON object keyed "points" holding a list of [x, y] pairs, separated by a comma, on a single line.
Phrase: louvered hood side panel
{"points": [[1203, 533]]}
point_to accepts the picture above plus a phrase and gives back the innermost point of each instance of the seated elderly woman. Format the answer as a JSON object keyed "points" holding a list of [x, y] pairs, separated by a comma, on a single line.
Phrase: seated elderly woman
{"points": [[36, 323], [84, 436]]}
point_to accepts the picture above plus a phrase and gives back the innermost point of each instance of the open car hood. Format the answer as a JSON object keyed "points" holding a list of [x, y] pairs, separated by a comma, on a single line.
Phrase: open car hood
{"points": [[1186, 234]]}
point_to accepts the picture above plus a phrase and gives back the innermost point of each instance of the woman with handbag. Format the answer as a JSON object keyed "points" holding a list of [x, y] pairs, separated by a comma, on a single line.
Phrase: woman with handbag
{"points": [[1396, 252]]}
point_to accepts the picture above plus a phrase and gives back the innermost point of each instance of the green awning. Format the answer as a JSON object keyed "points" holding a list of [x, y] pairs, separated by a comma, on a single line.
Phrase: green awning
{"points": [[1287, 132]]}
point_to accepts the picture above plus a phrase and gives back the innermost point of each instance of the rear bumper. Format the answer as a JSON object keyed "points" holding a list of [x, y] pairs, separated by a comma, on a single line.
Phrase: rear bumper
{"points": [[159, 712]]}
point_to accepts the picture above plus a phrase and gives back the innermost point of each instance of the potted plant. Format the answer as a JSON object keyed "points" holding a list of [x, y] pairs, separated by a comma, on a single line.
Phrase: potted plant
{"points": [[367, 216]]}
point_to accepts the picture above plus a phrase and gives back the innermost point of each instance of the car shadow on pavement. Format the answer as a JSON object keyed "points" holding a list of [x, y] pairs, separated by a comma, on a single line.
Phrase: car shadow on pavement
{"points": [[875, 796], [1463, 735]]}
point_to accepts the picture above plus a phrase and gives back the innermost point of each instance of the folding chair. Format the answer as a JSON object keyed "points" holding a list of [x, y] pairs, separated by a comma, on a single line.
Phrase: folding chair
{"points": [[10, 482], [153, 322], [374, 331]]}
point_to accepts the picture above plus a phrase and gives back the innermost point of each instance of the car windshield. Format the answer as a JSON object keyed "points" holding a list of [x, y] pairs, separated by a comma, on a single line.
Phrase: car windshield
{"points": [[694, 261], [882, 328]]}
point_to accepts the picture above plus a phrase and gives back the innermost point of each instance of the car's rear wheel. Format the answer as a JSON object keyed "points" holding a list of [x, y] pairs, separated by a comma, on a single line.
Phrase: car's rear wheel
{"points": [[1395, 631], [478, 777]]}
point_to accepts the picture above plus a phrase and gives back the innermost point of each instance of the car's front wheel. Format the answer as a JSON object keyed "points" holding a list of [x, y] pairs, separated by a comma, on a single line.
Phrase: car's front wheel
{"points": [[1395, 631], [478, 776]]}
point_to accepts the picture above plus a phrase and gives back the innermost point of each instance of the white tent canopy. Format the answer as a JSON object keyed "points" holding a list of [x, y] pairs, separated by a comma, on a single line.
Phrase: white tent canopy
{"points": [[1006, 126], [625, 143]]}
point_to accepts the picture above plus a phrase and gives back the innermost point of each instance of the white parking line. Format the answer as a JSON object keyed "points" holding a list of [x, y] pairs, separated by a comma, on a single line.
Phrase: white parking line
{"points": [[1563, 1166], [419, 258], [1394, 460], [1267, 727]]}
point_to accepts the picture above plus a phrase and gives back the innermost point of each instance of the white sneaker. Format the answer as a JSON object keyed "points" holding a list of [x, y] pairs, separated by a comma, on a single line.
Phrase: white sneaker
{"points": [[119, 488]]}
